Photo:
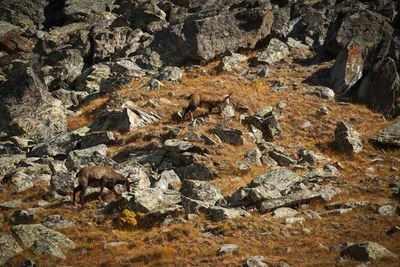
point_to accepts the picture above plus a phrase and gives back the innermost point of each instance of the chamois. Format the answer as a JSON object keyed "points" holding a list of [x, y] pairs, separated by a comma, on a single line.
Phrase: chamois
{"points": [[99, 176], [204, 99]]}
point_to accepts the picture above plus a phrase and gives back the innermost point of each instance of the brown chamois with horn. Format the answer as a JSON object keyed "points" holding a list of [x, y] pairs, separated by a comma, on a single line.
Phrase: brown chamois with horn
{"points": [[209, 100], [99, 176]]}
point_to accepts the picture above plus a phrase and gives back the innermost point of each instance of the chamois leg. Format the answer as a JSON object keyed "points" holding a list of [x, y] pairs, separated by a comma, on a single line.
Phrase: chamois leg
{"points": [[103, 184], [83, 191], [76, 190], [186, 110]]}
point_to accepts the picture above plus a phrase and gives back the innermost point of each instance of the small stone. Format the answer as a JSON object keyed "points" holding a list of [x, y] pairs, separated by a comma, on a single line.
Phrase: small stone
{"points": [[387, 210], [256, 261], [294, 220], [228, 248], [113, 245], [284, 212]]}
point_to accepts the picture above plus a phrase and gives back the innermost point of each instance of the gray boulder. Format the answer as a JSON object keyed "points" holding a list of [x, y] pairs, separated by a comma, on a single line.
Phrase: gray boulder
{"points": [[253, 156], [347, 70], [200, 190], [76, 10], [170, 74], [228, 135], [60, 145], [275, 51], [284, 212], [124, 121], [94, 79], [347, 138], [214, 30], [323, 92], [390, 136], [220, 214], [42, 240], [232, 62], [266, 122], [97, 138], [279, 178], [281, 158], [228, 249], [62, 183], [148, 199], [22, 217], [56, 221], [256, 261], [9, 248], [381, 86], [77, 158], [366, 251], [29, 108], [24, 14]]}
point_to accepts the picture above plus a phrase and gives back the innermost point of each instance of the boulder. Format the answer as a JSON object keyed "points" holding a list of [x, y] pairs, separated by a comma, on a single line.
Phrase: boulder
{"points": [[363, 30], [275, 51], [366, 251], [200, 190], [24, 14], [228, 135], [56, 221], [228, 249], [26, 177], [22, 217], [124, 121], [29, 108], [62, 183], [67, 97], [328, 171], [214, 30], [232, 62], [148, 199], [149, 17], [220, 214], [253, 156], [77, 10], [381, 87], [390, 136], [323, 92], [97, 138], [347, 70], [42, 240], [278, 178], [94, 79], [347, 138], [59, 146], [77, 158], [266, 122], [170, 74], [281, 159], [9, 248], [284, 212]]}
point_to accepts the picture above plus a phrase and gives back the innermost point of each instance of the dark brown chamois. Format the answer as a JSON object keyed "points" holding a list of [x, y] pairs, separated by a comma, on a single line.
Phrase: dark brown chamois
{"points": [[99, 176], [210, 100]]}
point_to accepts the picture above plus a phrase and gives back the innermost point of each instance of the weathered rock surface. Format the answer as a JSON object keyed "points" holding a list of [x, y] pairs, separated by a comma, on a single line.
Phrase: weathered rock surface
{"points": [[213, 31], [347, 138], [42, 240], [275, 51], [389, 136], [366, 251], [9, 248], [22, 217], [200, 190]]}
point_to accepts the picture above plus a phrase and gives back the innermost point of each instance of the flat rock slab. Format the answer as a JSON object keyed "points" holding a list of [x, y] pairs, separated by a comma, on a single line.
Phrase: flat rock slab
{"points": [[228, 248], [366, 251], [8, 248], [42, 240]]}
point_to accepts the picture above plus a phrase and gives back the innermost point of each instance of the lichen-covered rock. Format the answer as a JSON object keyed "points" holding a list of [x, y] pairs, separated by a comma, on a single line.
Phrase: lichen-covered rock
{"points": [[200, 190], [97, 138], [366, 251], [28, 107], [214, 30], [390, 136], [347, 138], [279, 178], [284, 212], [125, 120], [22, 217], [253, 156], [56, 221], [266, 122], [85, 156], [229, 135], [26, 177], [62, 183], [94, 79], [23, 14], [232, 62], [9, 248], [42, 240], [60, 145], [170, 74], [220, 214], [77, 10], [381, 88], [275, 51]]}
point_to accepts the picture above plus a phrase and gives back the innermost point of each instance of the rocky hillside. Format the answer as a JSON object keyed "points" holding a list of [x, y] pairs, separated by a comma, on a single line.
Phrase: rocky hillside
{"points": [[299, 168]]}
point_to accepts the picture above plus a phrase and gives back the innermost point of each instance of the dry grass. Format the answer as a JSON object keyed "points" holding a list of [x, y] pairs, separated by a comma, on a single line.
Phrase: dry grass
{"points": [[196, 242]]}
